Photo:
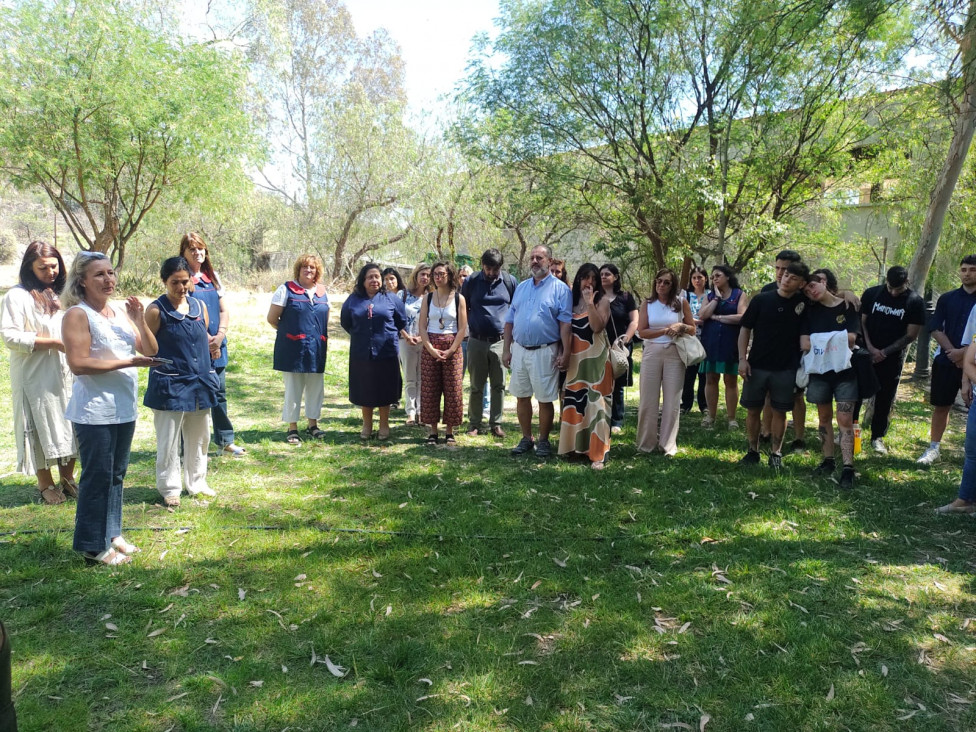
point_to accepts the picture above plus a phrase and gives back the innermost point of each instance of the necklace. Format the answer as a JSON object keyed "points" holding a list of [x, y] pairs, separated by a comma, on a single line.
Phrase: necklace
{"points": [[440, 320]]}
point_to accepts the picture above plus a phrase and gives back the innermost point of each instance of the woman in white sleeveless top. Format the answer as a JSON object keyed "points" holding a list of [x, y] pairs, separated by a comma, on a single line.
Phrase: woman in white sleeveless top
{"points": [[663, 317], [100, 342]]}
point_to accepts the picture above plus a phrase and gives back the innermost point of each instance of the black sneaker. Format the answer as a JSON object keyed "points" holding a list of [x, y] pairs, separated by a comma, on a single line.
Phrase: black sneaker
{"points": [[750, 458], [847, 478], [798, 445], [525, 445], [826, 468], [543, 449], [775, 461]]}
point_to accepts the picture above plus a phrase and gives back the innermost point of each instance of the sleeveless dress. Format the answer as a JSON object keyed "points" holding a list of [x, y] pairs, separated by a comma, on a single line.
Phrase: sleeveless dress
{"points": [[189, 383], [721, 341], [585, 423], [303, 331]]}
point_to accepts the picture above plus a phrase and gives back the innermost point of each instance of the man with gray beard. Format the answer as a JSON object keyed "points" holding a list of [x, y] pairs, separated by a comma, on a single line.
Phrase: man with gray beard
{"points": [[537, 340]]}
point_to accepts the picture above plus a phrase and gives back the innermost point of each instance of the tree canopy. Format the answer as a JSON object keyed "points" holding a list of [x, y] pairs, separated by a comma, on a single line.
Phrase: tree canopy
{"points": [[106, 109]]}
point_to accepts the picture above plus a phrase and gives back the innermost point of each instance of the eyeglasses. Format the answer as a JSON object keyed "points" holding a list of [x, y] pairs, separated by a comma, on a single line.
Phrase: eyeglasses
{"points": [[663, 281], [440, 274]]}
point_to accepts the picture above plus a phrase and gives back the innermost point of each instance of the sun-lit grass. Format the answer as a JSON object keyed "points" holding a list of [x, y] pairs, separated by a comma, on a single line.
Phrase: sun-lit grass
{"points": [[467, 589]]}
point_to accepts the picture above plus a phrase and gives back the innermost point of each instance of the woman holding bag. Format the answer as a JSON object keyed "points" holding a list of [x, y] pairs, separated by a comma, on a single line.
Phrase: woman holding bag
{"points": [[663, 317], [621, 328]]}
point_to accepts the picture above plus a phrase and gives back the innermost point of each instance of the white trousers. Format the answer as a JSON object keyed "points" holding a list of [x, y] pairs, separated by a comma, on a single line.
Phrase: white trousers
{"points": [[194, 428], [296, 384], [410, 363]]}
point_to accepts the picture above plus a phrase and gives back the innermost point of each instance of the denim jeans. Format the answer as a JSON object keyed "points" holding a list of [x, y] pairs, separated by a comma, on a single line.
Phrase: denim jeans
{"points": [[967, 486], [223, 430], [104, 453]]}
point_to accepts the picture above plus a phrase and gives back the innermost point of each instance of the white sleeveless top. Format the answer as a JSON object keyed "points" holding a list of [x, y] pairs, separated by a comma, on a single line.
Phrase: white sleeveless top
{"points": [[108, 398], [446, 315], [660, 315]]}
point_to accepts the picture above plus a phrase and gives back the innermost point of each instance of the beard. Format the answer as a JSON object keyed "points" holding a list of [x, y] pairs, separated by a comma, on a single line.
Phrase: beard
{"points": [[538, 271]]}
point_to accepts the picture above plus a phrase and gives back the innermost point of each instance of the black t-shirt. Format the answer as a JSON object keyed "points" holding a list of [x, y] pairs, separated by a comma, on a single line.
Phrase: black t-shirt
{"points": [[822, 319], [887, 316], [620, 309], [775, 323]]}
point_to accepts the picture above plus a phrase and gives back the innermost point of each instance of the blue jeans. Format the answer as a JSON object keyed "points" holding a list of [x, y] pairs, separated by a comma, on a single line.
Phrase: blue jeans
{"points": [[967, 486], [104, 453], [223, 430]]}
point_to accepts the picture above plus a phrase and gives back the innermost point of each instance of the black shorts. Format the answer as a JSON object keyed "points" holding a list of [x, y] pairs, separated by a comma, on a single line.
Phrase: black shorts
{"points": [[779, 385], [946, 383]]}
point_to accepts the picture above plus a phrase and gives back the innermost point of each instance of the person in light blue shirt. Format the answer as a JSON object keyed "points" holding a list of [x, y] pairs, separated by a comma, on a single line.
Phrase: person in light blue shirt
{"points": [[536, 348]]}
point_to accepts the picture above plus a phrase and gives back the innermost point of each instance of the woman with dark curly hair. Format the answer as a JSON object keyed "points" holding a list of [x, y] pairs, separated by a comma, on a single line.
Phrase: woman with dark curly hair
{"points": [[720, 317], [40, 382], [375, 321]]}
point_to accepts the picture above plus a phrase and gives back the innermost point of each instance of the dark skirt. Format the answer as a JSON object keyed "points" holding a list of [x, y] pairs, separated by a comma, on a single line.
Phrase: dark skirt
{"points": [[375, 383]]}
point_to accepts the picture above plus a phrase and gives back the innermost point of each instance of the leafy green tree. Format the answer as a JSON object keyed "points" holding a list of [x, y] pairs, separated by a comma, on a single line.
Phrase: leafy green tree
{"points": [[106, 110], [332, 105], [721, 113]]}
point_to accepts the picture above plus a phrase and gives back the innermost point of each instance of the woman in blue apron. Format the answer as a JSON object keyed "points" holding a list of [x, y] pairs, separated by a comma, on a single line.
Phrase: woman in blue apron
{"points": [[207, 287], [300, 313], [183, 389]]}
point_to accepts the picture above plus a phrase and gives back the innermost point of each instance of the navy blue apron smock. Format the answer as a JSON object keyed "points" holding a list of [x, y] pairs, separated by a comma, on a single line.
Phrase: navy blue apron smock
{"points": [[303, 332]]}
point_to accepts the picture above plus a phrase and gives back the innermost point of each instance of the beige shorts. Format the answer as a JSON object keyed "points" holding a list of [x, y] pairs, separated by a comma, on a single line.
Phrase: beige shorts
{"points": [[534, 373]]}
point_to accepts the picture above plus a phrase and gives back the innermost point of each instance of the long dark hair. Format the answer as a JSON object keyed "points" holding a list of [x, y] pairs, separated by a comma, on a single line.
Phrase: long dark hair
{"points": [[360, 288], [691, 273], [727, 271], [46, 296], [586, 269], [830, 279], [612, 269], [392, 271]]}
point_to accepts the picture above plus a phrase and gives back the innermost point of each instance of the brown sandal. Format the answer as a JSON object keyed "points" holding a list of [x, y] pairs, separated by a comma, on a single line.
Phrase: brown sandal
{"points": [[69, 488], [52, 496]]}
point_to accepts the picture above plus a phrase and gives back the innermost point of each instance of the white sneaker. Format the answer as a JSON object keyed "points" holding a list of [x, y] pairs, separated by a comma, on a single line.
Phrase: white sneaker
{"points": [[615, 430], [205, 491], [877, 444], [733, 425], [930, 455]]}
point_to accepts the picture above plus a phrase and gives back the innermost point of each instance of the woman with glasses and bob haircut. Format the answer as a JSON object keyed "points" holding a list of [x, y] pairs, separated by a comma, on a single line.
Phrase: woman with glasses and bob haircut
{"points": [[101, 341], [40, 383], [443, 324], [663, 317]]}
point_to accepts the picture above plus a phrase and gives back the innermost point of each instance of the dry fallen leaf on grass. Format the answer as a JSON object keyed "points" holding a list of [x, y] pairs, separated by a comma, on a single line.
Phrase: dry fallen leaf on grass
{"points": [[301, 578], [939, 636], [528, 663], [257, 684], [111, 626], [105, 617], [706, 718], [425, 681], [884, 670], [337, 671], [528, 701], [536, 584], [389, 609], [158, 631], [560, 562], [830, 694], [375, 573], [676, 725], [750, 716], [178, 696], [684, 628]]}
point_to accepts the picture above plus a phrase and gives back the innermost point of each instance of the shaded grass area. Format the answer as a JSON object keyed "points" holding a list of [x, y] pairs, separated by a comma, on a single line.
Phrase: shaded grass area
{"points": [[465, 587]]}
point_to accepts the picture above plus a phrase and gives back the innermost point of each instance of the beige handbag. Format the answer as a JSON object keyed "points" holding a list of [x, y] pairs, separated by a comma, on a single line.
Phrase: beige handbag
{"points": [[690, 349]]}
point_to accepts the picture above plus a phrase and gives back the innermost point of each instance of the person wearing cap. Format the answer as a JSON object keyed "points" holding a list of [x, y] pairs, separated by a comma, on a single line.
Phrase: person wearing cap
{"points": [[892, 315]]}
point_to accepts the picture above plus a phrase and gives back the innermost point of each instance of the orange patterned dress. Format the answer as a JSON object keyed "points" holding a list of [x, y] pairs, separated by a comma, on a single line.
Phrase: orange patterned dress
{"points": [[585, 424]]}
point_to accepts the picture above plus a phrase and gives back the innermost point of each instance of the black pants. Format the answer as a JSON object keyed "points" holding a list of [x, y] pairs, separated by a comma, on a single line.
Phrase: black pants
{"points": [[688, 392], [888, 373], [8, 718]]}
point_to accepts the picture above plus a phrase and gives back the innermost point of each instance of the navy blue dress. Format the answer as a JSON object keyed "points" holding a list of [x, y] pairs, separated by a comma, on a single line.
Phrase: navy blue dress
{"points": [[721, 341], [190, 382], [204, 289], [373, 325]]}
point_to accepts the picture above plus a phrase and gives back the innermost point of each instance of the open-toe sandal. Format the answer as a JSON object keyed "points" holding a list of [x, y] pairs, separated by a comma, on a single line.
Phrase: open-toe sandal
{"points": [[450, 441], [315, 432], [110, 557], [52, 496], [69, 488], [121, 545], [431, 439], [292, 438]]}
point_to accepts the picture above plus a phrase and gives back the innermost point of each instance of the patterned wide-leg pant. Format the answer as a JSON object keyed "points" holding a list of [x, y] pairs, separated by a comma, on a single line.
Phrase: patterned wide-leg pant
{"points": [[441, 377]]}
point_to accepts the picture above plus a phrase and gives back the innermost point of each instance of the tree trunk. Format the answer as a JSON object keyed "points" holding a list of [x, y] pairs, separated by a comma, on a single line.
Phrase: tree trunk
{"points": [[962, 137]]}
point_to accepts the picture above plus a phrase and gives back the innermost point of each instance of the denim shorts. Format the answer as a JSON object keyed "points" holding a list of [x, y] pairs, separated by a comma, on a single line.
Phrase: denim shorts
{"points": [[825, 388]]}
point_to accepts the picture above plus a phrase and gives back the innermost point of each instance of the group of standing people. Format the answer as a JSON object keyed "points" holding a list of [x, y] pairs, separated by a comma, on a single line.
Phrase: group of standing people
{"points": [[58, 325]]}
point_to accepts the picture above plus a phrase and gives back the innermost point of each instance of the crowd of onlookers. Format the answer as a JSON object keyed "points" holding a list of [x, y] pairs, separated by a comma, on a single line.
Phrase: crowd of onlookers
{"points": [[75, 350]]}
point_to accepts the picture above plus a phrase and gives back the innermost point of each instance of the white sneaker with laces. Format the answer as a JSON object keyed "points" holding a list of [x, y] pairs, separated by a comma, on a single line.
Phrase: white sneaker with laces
{"points": [[878, 446], [930, 455]]}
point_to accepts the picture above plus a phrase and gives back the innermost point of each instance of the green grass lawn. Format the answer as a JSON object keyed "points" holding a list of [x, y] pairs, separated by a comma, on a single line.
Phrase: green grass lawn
{"points": [[465, 589]]}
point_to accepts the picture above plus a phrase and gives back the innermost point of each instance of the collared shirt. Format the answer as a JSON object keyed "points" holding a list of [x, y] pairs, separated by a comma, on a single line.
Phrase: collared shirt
{"points": [[373, 325], [488, 303], [538, 309]]}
